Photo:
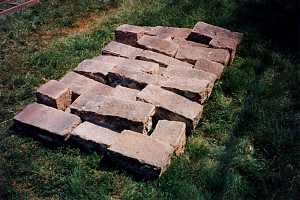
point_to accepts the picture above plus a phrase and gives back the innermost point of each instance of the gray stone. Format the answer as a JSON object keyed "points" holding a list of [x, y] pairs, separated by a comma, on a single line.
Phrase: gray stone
{"points": [[156, 44], [171, 132], [114, 113], [141, 154], [54, 94], [119, 49], [192, 54], [46, 122], [209, 66], [171, 106]]}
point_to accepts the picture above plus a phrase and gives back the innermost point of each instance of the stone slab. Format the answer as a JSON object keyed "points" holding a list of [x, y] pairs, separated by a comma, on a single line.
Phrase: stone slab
{"points": [[159, 45], [187, 43], [209, 66], [171, 132], [192, 54], [169, 33], [130, 34], [141, 154], [46, 122], [114, 113], [171, 106], [161, 59], [119, 49], [54, 94], [125, 93]]}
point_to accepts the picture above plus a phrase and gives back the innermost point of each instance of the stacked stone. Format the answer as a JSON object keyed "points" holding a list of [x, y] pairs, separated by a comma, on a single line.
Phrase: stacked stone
{"points": [[137, 102]]}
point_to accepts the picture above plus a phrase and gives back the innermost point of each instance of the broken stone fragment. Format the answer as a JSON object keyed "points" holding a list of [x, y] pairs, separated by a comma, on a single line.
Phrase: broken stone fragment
{"points": [[129, 34], [171, 106], [114, 113], [192, 54], [156, 44], [119, 49], [141, 154], [209, 66], [161, 59], [92, 137], [171, 132], [54, 94], [46, 123]]}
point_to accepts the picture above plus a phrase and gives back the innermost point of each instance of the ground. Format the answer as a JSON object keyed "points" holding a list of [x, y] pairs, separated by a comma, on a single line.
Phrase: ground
{"points": [[246, 147]]}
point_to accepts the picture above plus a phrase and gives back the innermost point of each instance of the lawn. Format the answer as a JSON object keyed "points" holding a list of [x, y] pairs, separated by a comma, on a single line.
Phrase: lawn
{"points": [[247, 145]]}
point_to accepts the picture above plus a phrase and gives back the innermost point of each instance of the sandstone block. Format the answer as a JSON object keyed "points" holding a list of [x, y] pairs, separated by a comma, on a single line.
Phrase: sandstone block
{"points": [[192, 54], [169, 33], [129, 34], [54, 94], [171, 132], [46, 123], [120, 49], [209, 66], [156, 44], [171, 106], [114, 113], [141, 154], [187, 43]]}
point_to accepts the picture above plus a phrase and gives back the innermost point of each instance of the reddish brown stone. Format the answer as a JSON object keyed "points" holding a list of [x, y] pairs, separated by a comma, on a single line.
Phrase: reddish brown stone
{"points": [[169, 33], [209, 66], [186, 43], [54, 94], [156, 44], [171, 132], [141, 154], [129, 34], [120, 49], [46, 123]]}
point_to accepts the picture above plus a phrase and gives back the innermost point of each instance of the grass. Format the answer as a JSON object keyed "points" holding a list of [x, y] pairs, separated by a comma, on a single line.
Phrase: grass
{"points": [[246, 147]]}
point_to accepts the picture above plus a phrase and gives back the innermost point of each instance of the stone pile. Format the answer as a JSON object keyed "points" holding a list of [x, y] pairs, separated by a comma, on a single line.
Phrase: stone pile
{"points": [[137, 102]]}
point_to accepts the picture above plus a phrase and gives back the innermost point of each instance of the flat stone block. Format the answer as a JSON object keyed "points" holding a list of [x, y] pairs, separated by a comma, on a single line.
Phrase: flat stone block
{"points": [[171, 132], [187, 43], [125, 93], [169, 33], [156, 44], [129, 34], [141, 154], [113, 113], [161, 59], [93, 137], [191, 88], [192, 54], [119, 49], [171, 106], [54, 94], [209, 66], [46, 123]]}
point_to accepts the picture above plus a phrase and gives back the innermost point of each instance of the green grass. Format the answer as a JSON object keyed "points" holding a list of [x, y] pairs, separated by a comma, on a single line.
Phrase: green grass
{"points": [[246, 146]]}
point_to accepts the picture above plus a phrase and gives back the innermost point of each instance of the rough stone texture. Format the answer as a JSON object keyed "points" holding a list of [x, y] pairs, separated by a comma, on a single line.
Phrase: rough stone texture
{"points": [[190, 73], [171, 132], [80, 84], [171, 106], [186, 43], [209, 66], [169, 33], [161, 59], [114, 113], [92, 137], [131, 79], [124, 93], [191, 88], [140, 65], [54, 94], [156, 44], [141, 154], [129, 34], [192, 54], [46, 123], [120, 49]]}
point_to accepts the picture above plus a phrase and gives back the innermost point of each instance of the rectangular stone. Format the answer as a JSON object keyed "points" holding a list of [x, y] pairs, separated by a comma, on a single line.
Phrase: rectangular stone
{"points": [[156, 44], [161, 59], [209, 66], [171, 106], [141, 154], [191, 88], [169, 33], [187, 43], [119, 49], [114, 113], [80, 84], [125, 93], [46, 123], [92, 137], [54, 94], [171, 132], [129, 34], [192, 54]]}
